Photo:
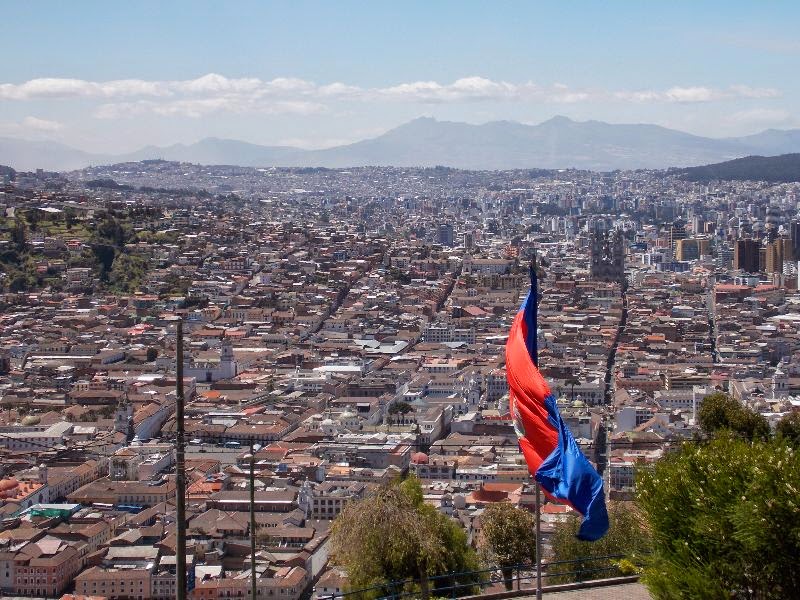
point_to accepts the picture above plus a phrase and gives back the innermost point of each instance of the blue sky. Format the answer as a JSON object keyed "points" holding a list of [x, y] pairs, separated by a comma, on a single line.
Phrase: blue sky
{"points": [[113, 76]]}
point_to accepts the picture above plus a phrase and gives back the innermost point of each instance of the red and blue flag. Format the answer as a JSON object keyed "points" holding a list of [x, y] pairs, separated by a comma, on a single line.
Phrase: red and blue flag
{"points": [[553, 456]]}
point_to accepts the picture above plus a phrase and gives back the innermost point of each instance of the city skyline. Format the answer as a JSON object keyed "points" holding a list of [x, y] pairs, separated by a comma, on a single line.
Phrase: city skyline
{"points": [[116, 79]]}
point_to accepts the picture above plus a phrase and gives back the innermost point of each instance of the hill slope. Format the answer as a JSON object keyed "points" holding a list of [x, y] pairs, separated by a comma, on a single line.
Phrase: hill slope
{"points": [[773, 169], [27, 155]]}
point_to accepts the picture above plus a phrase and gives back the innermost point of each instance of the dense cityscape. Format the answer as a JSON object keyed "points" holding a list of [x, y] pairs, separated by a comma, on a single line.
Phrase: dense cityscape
{"points": [[346, 327]]}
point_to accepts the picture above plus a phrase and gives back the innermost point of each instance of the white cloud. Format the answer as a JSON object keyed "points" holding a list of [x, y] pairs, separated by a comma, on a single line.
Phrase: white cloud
{"points": [[695, 94], [212, 93], [750, 92], [76, 88], [38, 124], [198, 107], [690, 94], [31, 127]]}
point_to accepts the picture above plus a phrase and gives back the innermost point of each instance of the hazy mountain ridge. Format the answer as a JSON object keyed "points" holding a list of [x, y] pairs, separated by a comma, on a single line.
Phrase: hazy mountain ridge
{"points": [[557, 143]]}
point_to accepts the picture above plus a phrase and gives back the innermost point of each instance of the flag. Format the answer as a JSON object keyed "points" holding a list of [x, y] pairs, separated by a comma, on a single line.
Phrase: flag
{"points": [[553, 456]]}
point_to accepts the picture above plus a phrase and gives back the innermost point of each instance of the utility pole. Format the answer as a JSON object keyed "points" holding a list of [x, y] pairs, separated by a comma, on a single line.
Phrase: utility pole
{"points": [[253, 449], [180, 470]]}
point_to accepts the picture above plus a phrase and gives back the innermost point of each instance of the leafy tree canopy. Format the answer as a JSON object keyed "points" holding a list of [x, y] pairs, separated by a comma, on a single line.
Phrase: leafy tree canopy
{"points": [[721, 412], [508, 538], [788, 429], [725, 519], [392, 535], [627, 535]]}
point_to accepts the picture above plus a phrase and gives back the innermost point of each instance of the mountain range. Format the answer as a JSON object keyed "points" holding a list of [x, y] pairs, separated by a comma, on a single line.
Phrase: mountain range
{"points": [[557, 143]]}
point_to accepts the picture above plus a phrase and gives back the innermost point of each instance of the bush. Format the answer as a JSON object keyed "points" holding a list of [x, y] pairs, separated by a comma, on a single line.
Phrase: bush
{"points": [[725, 519], [393, 536], [627, 535], [721, 412]]}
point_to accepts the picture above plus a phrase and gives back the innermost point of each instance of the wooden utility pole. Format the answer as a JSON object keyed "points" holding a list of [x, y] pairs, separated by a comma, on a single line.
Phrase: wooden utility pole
{"points": [[180, 470], [253, 449]]}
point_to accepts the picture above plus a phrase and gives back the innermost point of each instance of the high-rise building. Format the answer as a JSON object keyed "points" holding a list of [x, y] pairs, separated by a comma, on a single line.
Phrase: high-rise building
{"points": [[691, 248], [794, 235], [445, 234], [607, 253], [677, 231], [746, 255], [469, 240], [776, 254]]}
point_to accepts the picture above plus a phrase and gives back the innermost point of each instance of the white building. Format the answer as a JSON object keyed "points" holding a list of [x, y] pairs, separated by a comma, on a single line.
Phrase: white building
{"points": [[213, 370]]}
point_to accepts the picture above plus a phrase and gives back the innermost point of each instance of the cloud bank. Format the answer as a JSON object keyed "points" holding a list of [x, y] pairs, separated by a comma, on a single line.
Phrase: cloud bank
{"points": [[213, 93]]}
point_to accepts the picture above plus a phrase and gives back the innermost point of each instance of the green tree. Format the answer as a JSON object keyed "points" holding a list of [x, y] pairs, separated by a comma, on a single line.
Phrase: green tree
{"points": [[507, 538], [401, 407], [627, 535], [110, 230], [725, 519], [788, 429], [392, 536], [32, 217], [127, 272], [70, 217], [19, 283], [104, 255], [719, 411], [152, 354], [19, 234]]}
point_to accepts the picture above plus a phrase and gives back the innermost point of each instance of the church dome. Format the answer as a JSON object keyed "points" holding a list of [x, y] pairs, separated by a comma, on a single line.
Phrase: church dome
{"points": [[419, 458], [8, 488]]}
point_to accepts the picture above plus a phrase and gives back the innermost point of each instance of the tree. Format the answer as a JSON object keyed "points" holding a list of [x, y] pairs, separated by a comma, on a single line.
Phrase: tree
{"points": [[507, 538], [725, 520], [393, 536], [18, 234], [152, 354], [788, 429], [627, 535], [104, 255], [401, 407], [719, 411], [32, 217], [70, 217], [127, 272], [19, 283]]}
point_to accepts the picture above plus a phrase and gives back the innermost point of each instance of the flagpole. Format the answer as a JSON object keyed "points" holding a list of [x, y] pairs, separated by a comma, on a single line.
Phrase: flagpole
{"points": [[538, 542], [535, 357]]}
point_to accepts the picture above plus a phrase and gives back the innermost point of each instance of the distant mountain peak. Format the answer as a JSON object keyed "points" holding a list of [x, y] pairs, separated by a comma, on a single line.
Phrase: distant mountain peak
{"points": [[558, 120], [559, 142]]}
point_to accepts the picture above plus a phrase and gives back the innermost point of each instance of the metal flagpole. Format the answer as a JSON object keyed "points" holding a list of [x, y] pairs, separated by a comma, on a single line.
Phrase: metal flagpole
{"points": [[535, 357], [538, 542], [180, 469]]}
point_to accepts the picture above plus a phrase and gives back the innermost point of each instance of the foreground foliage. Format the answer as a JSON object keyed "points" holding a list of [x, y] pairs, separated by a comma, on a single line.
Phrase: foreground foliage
{"points": [[627, 536], [725, 518], [720, 412], [393, 536], [507, 538]]}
